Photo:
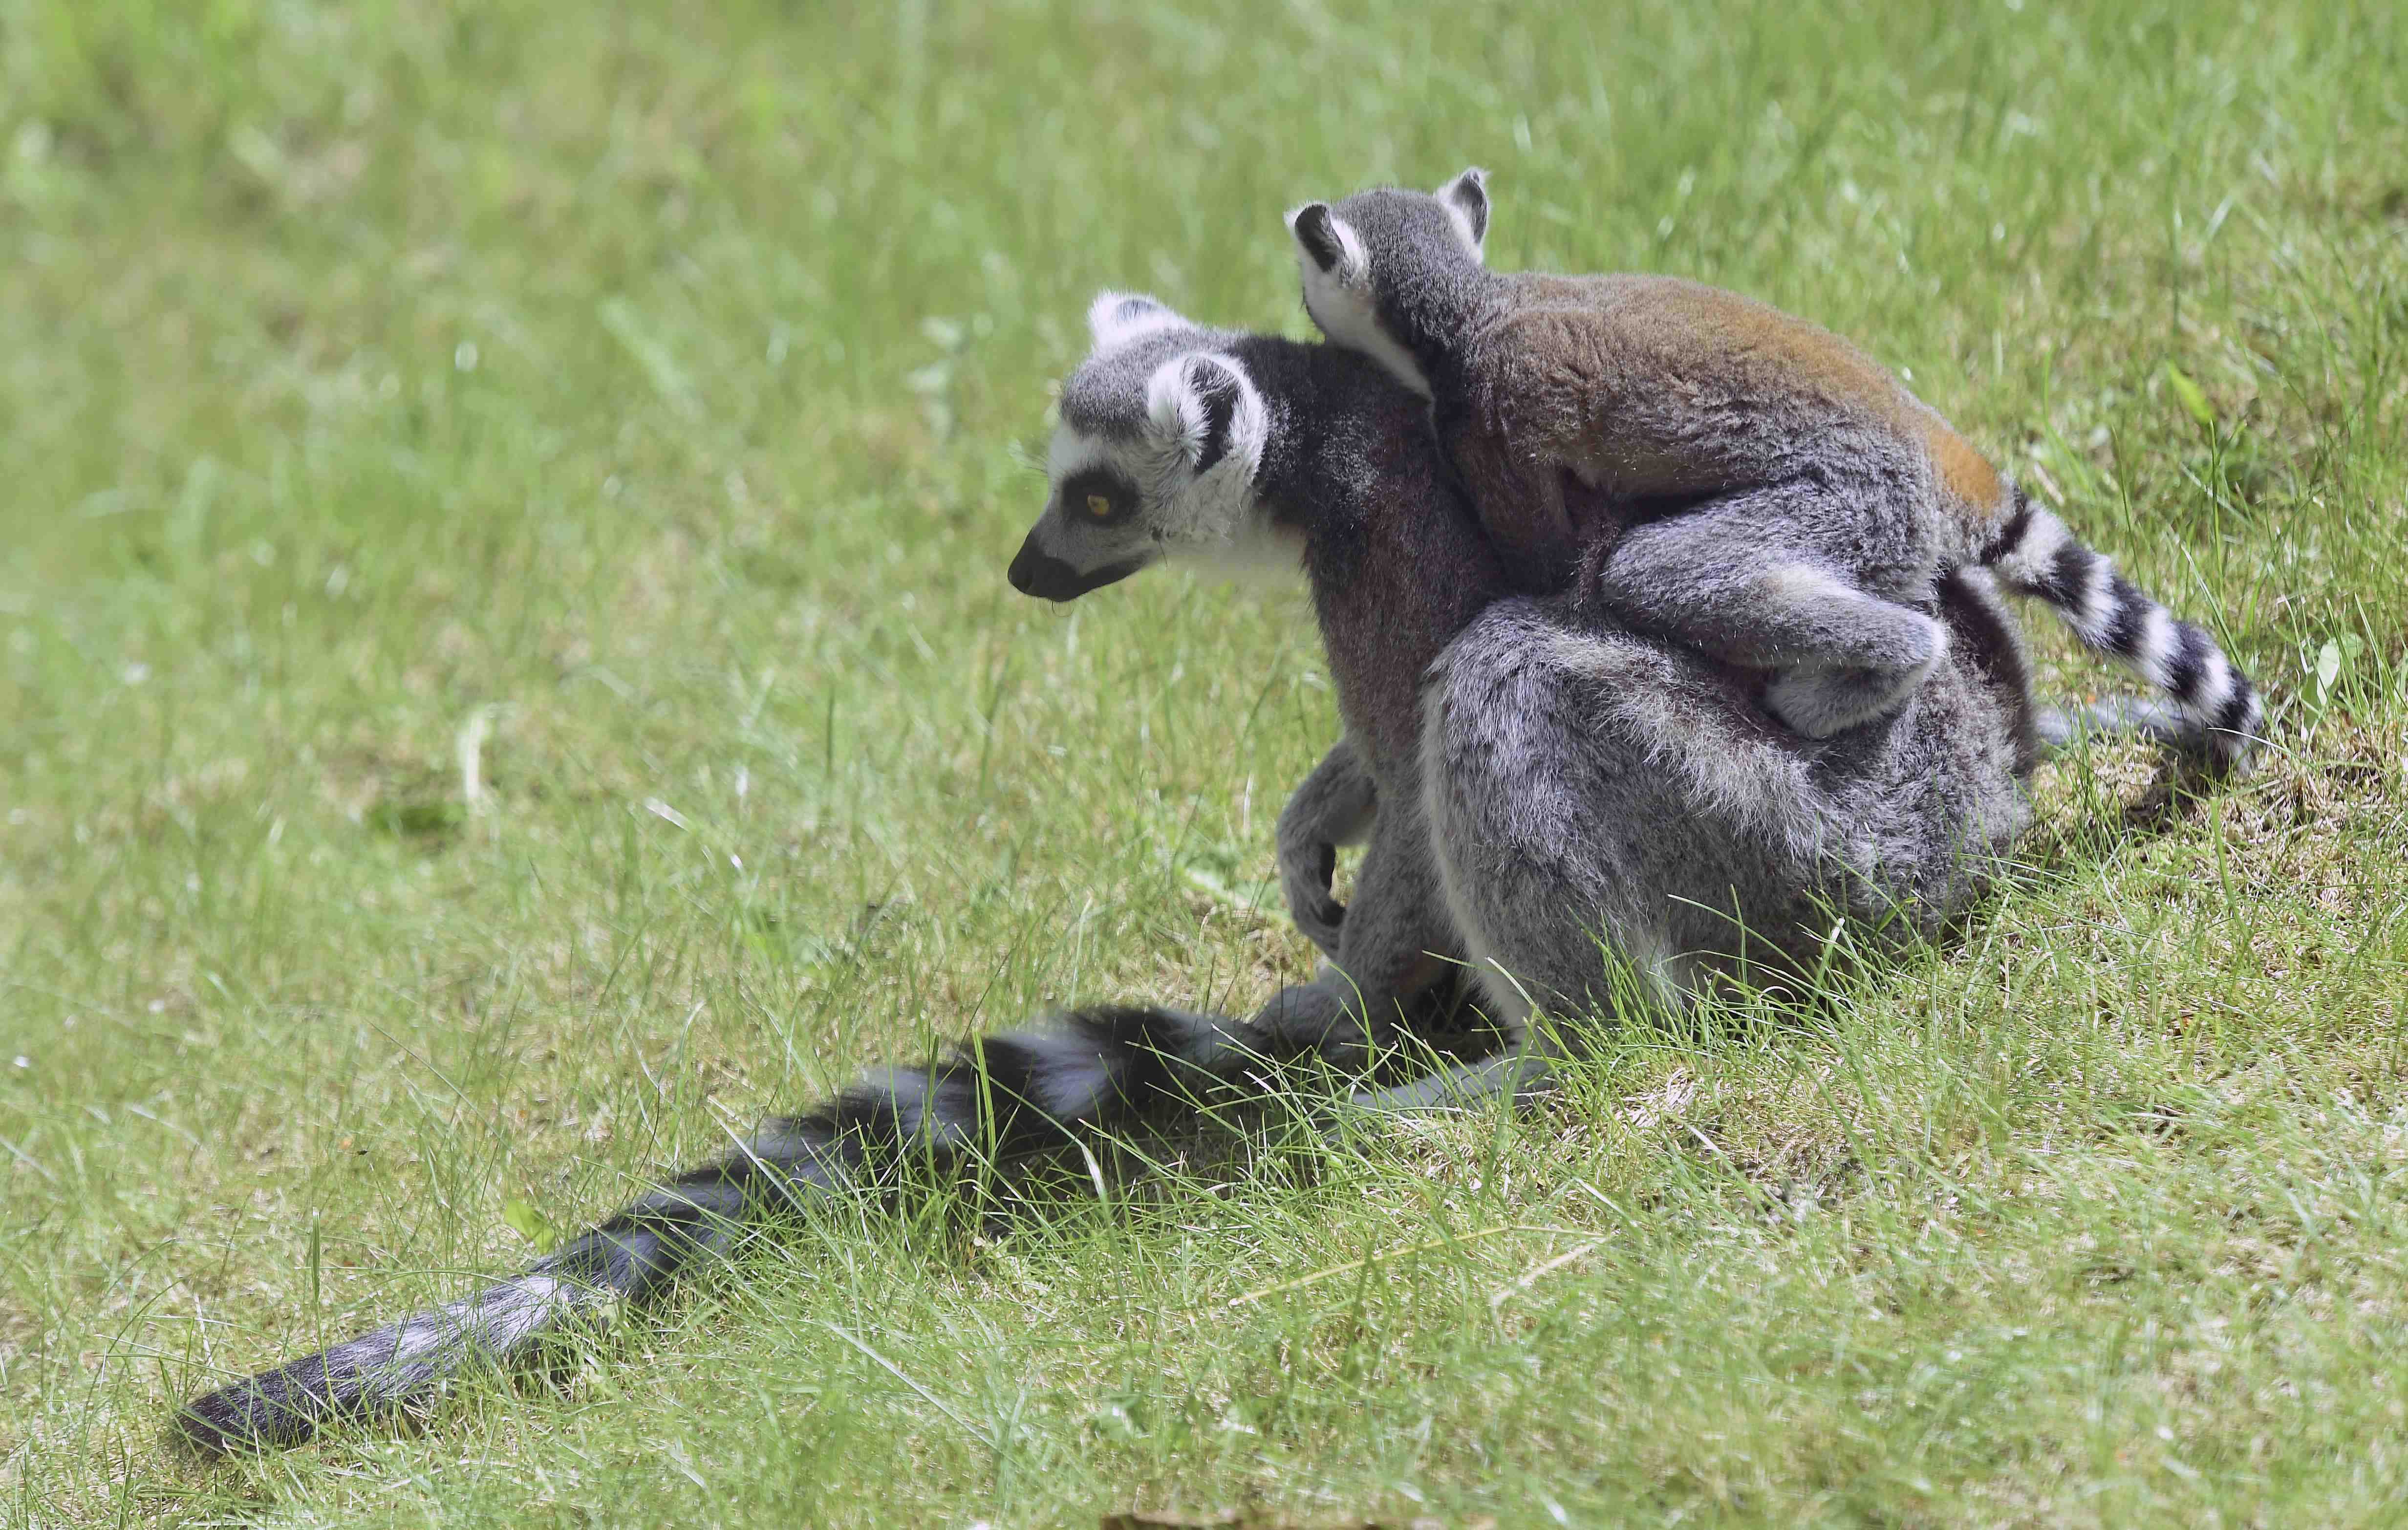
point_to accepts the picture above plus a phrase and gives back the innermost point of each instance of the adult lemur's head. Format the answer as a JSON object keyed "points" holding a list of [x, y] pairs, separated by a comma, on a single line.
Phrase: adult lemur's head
{"points": [[1382, 265], [1162, 433]]}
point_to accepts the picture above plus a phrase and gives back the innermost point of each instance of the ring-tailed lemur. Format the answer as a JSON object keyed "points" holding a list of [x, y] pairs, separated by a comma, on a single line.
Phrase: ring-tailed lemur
{"points": [[1184, 445], [1552, 799], [1003, 1095], [1721, 472]]}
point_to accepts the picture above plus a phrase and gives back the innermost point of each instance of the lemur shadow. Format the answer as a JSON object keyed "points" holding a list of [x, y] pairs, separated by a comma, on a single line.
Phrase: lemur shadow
{"points": [[1269, 1131], [2091, 801]]}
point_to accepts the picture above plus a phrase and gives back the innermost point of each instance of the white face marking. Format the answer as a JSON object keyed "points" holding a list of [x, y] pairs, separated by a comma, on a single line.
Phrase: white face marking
{"points": [[1210, 520], [1200, 408], [1074, 451]]}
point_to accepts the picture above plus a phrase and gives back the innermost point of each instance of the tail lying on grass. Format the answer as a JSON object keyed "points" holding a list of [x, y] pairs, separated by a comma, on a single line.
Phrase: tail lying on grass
{"points": [[1003, 1095], [2216, 710]]}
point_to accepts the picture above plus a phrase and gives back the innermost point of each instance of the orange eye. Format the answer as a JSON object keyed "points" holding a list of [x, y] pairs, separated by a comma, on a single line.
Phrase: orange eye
{"points": [[1101, 507]]}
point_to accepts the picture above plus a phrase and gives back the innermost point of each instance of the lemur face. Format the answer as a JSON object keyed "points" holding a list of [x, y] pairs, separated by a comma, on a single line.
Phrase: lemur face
{"points": [[1155, 456], [1354, 254]]}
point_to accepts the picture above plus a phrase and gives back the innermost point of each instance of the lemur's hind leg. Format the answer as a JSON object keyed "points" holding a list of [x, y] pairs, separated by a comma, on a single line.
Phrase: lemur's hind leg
{"points": [[1591, 797], [1740, 580], [1331, 809], [1396, 943]]}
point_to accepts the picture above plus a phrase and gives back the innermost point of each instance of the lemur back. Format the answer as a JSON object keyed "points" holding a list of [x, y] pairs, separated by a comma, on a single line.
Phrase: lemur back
{"points": [[1717, 471]]}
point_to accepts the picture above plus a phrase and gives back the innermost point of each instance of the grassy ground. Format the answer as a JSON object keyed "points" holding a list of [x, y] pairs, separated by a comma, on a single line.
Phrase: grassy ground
{"points": [[651, 392]]}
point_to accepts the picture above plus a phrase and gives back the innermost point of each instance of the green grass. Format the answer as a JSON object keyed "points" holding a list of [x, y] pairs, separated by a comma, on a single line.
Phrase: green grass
{"points": [[668, 383]]}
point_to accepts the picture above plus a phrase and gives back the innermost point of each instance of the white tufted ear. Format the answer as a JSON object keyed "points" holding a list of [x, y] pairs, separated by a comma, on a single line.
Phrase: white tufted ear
{"points": [[1328, 245], [1116, 319], [1203, 408], [1339, 290], [1466, 201]]}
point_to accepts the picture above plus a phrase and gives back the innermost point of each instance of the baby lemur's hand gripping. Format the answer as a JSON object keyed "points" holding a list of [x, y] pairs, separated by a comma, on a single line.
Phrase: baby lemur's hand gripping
{"points": [[1735, 478]]}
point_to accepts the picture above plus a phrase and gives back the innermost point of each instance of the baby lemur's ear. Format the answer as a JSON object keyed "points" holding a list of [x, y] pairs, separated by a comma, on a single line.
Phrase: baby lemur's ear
{"points": [[1116, 319], [1323, 238], [1203, 408], [1465, 200]]}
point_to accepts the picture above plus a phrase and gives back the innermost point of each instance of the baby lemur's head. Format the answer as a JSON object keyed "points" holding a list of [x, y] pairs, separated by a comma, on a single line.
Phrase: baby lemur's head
{"points": [[1162, 433], [1383, 268]]}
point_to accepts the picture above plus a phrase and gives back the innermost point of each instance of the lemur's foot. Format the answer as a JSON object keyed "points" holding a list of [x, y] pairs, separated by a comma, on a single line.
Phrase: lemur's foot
{"points": [[1823, 702]]}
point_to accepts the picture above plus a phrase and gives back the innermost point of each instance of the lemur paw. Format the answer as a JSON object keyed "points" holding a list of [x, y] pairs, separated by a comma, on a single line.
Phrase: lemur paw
{"points": [[1309, 901]]}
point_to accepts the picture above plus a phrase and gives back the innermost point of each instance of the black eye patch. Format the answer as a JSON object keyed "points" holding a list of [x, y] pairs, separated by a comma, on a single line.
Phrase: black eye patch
{"points": [[1098, 497]]}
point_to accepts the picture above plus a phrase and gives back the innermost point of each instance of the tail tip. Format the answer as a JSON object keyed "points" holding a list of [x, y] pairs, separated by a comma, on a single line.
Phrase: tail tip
{"points": [[2237, 736], [258, 1413], [2239, 754], [234, 1421]]}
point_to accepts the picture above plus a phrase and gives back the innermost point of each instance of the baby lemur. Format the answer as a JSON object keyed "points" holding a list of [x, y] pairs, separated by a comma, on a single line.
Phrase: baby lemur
{"points": [[1736, 478]]}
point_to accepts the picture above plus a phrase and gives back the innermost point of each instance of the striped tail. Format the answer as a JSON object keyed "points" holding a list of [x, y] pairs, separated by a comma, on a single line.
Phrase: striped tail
{"points": [[1007, 1094], [2216, 710]]}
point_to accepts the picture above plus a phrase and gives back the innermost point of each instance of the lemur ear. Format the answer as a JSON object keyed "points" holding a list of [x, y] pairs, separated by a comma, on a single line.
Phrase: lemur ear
{"points": [[1323, 238], [1203, 408], [1114, 318], [1465, 200]]}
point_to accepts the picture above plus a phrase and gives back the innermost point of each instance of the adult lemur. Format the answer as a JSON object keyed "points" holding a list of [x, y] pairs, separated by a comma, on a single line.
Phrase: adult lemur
{"points": [[1736, 478], [1569, 806], [1545, 795]]}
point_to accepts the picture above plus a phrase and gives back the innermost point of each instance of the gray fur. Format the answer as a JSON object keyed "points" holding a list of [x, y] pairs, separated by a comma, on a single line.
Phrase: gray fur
{"points": [[1520, 1071], [1593, 820], [1600, 785], [1719, 471]]}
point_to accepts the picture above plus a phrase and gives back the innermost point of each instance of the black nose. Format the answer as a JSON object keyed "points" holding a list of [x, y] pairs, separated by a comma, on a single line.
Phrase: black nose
{"points": [[1042, 574], [1036, 572]]}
